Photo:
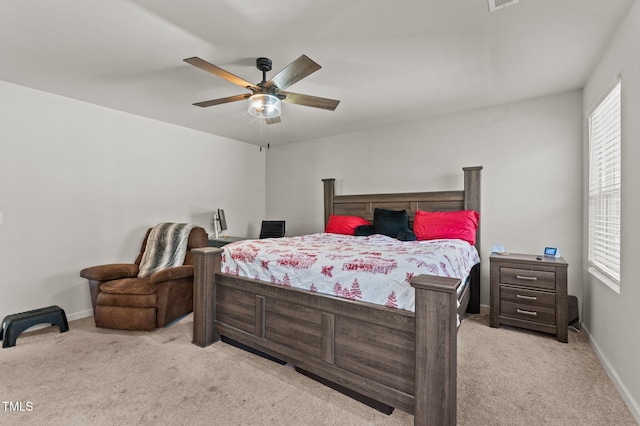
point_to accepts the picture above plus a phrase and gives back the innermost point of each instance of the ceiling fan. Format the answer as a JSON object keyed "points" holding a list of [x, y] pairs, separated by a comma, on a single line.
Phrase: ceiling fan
{"points": [[266, 97]]}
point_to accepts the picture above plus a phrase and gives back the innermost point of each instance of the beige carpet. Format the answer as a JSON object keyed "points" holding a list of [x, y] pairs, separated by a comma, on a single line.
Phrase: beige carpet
{"points": [[105, 377]]}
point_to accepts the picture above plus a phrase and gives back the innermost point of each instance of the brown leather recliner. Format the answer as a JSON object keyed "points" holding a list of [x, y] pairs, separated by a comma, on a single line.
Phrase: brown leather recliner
{"points": [[123, 301]]}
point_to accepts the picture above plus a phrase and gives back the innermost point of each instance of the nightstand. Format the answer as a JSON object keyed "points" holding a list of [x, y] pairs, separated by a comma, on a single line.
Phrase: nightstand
{"points": [[529, 291]]}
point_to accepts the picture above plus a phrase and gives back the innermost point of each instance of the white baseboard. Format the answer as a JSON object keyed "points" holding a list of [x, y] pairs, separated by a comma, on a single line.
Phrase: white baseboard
{"points": [[485, 310], [79, 315], [632, 404]]}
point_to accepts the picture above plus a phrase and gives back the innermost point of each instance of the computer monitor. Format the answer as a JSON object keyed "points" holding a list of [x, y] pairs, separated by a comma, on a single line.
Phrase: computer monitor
{"points": [[222, 220], [219, 223]]}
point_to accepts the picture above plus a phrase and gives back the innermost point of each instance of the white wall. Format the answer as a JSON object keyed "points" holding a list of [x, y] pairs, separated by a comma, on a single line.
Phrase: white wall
{"points": [[80, 184], [610, 318], [531, 183]]}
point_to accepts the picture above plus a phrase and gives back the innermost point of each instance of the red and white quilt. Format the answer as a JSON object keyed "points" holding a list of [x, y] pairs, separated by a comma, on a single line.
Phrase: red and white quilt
{"points": [[375, 269]]}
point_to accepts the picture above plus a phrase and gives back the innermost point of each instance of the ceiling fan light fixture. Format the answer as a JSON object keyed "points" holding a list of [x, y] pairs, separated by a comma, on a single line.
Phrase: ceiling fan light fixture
{"points": [[263, 105]]}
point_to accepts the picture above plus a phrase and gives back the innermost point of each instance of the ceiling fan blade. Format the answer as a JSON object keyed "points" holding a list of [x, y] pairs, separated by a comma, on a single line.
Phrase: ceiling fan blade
{"points": [[204, 65], [273, 120], [310, 101], [223, 100], [294, 72]]}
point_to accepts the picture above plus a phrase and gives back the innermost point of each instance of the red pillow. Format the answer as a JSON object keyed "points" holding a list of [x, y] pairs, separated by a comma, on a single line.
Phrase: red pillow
{"points": [[460, 224], [344, 224]]}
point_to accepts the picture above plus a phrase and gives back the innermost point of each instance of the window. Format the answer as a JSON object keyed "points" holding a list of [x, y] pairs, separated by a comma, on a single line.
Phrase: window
{"points": [[604, 188]]}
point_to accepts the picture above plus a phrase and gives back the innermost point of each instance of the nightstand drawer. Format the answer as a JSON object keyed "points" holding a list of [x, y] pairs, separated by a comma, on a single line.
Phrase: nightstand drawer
{"points": [[527, 298], [538, 313], [528, 278]]}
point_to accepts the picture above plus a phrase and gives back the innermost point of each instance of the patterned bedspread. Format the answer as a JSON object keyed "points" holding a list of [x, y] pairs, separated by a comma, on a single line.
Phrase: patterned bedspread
{"points": [[374, 269]]}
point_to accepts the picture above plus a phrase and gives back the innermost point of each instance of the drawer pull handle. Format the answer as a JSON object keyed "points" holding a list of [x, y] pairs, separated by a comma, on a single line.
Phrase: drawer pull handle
{"points": [[522, 311], [520, 296], [524, 277]]}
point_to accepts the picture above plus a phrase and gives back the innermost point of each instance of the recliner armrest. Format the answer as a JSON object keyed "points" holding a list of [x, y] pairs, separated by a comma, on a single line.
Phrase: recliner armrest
{"points": [[111, 271], [175, 273]]}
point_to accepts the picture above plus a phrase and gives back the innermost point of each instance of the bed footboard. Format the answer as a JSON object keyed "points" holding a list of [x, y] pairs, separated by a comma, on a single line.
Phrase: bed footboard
{"points": [[402, 359], [436, 350]]}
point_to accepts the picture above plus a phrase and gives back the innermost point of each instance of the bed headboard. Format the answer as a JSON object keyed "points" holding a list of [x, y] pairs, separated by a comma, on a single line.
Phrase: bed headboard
{"points": [[363, 205]]}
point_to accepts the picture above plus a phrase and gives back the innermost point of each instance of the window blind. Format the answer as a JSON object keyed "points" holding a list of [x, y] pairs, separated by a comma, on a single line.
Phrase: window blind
{"points": [[605, 185]]}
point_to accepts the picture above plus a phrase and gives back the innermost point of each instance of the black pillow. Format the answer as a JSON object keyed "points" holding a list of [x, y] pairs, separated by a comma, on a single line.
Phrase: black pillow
{"points": [[392, 223], [407, 235], [364, 230]]}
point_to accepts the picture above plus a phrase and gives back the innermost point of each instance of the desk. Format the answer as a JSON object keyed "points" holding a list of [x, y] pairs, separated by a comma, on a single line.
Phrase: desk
{"points": [[223, 241]]}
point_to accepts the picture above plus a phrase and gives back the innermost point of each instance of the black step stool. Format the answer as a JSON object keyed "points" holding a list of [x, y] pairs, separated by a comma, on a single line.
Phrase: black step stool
{"points": [[13, 325]]}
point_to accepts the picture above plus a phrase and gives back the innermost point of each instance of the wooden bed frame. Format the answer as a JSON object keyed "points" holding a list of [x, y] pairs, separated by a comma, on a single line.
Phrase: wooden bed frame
{"points": [[403, 359]]}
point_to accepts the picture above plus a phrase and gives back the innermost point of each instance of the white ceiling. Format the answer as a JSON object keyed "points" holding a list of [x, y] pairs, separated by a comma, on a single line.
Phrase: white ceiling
{"points": [[386, 61]]}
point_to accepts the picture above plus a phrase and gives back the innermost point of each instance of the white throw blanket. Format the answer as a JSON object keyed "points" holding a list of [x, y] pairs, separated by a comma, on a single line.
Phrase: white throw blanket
{"points": [[166, 247]]}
